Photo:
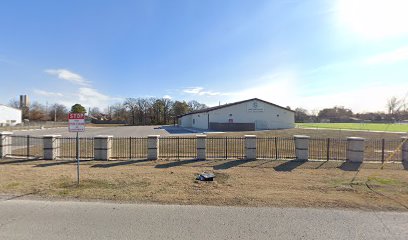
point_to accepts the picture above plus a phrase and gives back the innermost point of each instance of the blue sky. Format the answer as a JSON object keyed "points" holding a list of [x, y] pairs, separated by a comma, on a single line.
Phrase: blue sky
{"points": [[296, 53]]}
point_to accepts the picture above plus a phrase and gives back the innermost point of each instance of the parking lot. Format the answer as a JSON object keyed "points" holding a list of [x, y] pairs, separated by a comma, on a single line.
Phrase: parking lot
{"points": [[117, 131]]}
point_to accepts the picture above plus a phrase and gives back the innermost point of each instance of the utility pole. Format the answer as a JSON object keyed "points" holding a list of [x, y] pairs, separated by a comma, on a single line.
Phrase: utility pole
{"points": [[46, 111]]}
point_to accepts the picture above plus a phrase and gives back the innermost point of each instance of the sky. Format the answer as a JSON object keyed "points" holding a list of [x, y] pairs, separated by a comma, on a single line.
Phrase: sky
{"points": [[310, 54]]}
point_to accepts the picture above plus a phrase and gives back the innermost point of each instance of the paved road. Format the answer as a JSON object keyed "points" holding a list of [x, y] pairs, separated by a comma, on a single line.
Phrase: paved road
{"points": [[124, 131], [27, 219]]}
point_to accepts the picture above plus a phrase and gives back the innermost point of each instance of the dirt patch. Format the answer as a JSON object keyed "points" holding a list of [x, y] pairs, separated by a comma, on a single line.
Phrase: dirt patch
{"points": [[250, 183]]}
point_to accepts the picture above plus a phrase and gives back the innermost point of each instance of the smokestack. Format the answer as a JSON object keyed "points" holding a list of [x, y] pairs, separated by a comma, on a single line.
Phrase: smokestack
{"points": [[24, 101]]}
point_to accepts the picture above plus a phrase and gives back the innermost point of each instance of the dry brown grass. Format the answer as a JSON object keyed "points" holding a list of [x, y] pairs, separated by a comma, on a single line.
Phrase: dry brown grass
{"points": [[315, 133], [237, 182]]}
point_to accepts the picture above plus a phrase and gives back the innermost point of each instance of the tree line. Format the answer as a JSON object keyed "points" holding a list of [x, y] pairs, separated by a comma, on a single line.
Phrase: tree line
{"points": [[133, 111], [397, 110], [156, 111], [151, 111]]}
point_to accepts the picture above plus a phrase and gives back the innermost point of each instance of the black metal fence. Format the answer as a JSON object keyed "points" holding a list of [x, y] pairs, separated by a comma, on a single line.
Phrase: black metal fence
{"points": [[216, 148], [225, 147], [129, 147], [383, 150], [178, 147], [275, 148], [328, 149], [67, 148], [26, 146]]}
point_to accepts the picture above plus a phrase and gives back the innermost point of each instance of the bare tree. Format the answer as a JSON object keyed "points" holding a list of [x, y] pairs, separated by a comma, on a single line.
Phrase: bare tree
{"points": [[194, 105], [301, 115], [94, 111], [131, 105], [37, 112], [167, 105], [14, 103], [58, 112], [118, 112], [393, 105]]}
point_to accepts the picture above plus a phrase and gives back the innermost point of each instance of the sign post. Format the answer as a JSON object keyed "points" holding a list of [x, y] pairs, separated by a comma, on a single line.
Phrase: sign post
{"points": [[76, 123]]}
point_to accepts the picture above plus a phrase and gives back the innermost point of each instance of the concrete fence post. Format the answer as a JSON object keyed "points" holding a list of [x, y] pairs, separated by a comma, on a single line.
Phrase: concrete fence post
{"points": [[201, 147], [404, 149], [355, 149], [302, 147], [153, 147], [5, 144], [250, 147], [51, 146], [102, 147]]}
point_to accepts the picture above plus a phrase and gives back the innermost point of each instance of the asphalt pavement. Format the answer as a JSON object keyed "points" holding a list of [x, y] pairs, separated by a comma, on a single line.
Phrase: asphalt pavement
{"points": [[121, 131], [29, 219]]}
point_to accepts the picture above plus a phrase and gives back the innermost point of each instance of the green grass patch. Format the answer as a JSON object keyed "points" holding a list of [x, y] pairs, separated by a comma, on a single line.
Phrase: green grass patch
{"points": [[12, 185], [357, 126], [384, 181]]}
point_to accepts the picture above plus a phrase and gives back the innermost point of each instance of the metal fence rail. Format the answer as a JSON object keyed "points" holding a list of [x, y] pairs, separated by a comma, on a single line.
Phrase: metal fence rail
{"points": [[267, 148], [178, 147], [383, 150], [286, 148], [26, 146], [275, 148], [319, 148], [327, 149], [68, 148], [337, 149], [216, 148], [129, 147], [225, 147]]}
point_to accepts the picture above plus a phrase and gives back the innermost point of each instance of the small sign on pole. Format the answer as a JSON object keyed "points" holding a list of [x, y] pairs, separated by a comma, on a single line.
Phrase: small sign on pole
{"points": [[76, 123]]}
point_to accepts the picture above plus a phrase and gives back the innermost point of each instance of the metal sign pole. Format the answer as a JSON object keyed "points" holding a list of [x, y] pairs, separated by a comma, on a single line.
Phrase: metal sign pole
{"points": [[77, 156], [76, 123]]}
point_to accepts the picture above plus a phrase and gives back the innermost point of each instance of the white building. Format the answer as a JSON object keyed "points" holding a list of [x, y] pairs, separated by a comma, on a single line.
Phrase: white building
{"points": [[247, 115], [9, 116]]}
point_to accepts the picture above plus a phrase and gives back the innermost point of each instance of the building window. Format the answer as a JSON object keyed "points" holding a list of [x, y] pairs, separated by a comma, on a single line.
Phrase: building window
{"points": [[193, 121], [277, 115], [198, 115], [230, 114]]}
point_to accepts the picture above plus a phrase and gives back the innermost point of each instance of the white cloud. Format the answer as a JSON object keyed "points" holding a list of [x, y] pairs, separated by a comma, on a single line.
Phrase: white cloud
{"points": [[167, 97], [400, 54], [91, 97], [68, 76], [47, 93], [86, 95], [373, 19], [201, 92]]}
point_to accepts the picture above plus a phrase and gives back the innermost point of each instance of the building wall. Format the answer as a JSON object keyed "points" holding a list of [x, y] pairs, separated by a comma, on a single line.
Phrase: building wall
{"points": [[265, 116], [9, 116], [200, 120], [186, 121]]}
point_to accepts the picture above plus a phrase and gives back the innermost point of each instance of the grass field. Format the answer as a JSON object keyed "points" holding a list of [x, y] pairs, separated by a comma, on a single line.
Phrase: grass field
{"points": [[357, 126], [238, 182]]}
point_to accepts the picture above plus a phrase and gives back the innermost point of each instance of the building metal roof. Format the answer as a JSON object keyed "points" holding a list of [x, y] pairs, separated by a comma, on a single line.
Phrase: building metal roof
{"points": [[232, 104], [2, 105]]}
